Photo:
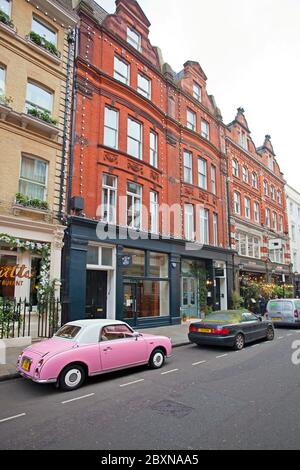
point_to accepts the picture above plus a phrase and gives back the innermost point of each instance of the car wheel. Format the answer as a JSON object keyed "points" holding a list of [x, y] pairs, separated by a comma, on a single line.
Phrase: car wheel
{"points": [[72, 377], [157, 359], [270, 334], [239, 342]]}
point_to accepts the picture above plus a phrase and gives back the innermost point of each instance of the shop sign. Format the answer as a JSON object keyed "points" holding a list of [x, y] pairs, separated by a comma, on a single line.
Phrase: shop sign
{"points": [[125, 261], [13, 275]]}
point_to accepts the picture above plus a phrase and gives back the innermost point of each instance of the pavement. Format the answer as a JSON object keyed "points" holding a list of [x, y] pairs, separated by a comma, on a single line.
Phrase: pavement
{"points": [[178, 334], [203, 398]]}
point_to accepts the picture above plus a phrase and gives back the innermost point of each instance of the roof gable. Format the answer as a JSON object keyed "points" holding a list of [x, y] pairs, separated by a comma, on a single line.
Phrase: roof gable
{"points": [[132, 8]]}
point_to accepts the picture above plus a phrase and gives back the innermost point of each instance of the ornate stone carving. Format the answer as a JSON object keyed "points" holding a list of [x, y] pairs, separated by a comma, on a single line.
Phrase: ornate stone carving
{"points": [[135, 167], [111, 157], [154, 175]]}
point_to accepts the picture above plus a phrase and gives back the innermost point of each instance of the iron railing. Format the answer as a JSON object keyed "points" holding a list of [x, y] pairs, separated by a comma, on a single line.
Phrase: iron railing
{"points": [[19, 318]]}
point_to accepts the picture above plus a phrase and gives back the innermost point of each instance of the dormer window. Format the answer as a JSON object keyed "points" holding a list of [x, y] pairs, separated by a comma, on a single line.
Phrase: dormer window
{"points": [[271, 163], [134, 38], [197, 92], [243, 140]]}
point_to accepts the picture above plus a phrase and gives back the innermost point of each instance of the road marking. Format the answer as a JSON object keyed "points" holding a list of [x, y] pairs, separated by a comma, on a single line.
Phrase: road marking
{"points": [[223, 355], [76, 399], [12, 417], [280, 337], [290, 334], [169, 371], [132, 383], [198, 363], [255, 345]]}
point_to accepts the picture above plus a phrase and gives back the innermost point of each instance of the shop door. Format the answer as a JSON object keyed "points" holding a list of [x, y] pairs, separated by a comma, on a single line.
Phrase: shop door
{"points": [[189, 297], [130, 303], [96, 294]]}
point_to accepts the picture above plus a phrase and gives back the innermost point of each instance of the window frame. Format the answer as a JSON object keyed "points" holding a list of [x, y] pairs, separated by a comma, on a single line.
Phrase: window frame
{"points": [[110, 190], [188, 169], [136, 44], [117, 74], [3, 68], [202, 175], [189, 222], [237, 202], [154, 151], [130, 138], [192, 125], [142, 91], [235, 168], [135, 198], [30, 104], [27, 180], [116, 131], [213, 178], [9, 3], [247, 207], [197, 92], [44, 24], [205, 133], [154, 209]]}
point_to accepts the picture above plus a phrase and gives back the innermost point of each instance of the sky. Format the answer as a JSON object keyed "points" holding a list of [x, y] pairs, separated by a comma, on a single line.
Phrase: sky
{"points": [[250, 52]]}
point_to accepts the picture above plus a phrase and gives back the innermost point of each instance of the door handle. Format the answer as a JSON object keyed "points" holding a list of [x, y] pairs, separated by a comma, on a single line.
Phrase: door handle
{"points": [[107, 349]]}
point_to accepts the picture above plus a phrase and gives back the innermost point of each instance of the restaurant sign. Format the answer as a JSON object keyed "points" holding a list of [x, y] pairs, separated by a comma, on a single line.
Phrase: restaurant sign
{"points": [[13, 275]]}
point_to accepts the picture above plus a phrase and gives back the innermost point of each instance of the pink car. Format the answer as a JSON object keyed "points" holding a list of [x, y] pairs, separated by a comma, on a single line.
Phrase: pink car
{"points": [[88, 348]]}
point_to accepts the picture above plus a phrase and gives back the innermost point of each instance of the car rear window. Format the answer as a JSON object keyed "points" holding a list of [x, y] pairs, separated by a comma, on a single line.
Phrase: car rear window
{"points": [[68, 332], [224, 317]]}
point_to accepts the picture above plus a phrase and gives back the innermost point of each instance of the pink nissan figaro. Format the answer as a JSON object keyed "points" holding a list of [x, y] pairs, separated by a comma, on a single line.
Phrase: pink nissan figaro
{"points": [[88, 348]]}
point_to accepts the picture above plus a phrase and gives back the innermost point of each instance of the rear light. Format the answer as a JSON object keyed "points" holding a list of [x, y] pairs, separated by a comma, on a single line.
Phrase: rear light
{"points": [[193, 329], [296, 313], [221, 331]]}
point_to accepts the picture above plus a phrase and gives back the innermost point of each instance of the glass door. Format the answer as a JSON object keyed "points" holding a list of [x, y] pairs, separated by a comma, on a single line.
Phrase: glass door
{"points": [[189, 297], [130, 303]]}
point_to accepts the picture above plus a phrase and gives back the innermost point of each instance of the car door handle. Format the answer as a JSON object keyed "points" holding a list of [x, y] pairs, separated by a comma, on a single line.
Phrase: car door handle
{"points": [[107, 349]]}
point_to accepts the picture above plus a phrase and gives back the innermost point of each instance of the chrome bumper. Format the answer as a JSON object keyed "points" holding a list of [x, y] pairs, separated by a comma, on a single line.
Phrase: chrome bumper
{"points": [[38, 381]]}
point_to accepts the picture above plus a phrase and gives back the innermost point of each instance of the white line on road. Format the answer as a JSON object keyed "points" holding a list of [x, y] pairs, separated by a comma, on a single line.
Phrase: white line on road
{"points": [[12, 417], [223, 355], [255, 345], [79, 398], [199, 363], [280, 337], [290, 334], [169, 371], [132, 383]]}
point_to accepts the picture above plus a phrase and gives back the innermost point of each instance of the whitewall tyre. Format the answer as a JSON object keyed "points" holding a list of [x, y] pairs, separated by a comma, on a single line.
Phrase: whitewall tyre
{"points": [[72, 377], [157, 359]]}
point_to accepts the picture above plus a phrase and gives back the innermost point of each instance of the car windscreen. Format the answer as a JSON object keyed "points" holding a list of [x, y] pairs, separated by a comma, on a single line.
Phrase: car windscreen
{"points": [[68, 332], [223, 317]]}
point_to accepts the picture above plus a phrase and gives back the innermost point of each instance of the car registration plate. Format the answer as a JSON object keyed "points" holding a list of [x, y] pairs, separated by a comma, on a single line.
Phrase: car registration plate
{"points": [[204, 330], [276, 319], [26, 363]]}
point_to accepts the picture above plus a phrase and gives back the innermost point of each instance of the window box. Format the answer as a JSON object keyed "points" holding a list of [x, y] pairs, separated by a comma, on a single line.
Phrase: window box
{"points": [[5, 109], [25, 201], [42, 42], [39, 125], [43, 115]]}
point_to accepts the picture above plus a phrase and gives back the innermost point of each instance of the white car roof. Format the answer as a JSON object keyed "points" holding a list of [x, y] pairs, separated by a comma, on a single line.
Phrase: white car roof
{"points": [[97, 323]]}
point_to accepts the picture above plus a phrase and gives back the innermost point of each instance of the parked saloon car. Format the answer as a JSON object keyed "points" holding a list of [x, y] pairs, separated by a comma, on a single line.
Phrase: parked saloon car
{"points": [[88, 348], [231, 328]]}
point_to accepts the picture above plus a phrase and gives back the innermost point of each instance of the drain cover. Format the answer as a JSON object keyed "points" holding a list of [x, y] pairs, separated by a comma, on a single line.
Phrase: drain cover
{"points": [[172, 408]]}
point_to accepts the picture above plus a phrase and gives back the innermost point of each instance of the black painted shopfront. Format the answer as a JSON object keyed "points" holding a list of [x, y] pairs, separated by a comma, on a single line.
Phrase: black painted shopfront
{"points": [[144, 282]]}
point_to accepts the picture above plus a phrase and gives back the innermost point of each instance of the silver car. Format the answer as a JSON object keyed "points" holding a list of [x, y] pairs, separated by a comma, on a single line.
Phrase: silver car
{"points": [[284, 312]]}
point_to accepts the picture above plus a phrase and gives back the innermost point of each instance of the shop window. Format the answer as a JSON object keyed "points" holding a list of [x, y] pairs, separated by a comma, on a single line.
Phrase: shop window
{"points": [[158, 265], [153, 299], [137, 268]]}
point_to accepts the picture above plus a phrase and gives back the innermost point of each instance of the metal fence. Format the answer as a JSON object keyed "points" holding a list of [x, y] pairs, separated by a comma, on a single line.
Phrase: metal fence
{"points": [[18, 318]]}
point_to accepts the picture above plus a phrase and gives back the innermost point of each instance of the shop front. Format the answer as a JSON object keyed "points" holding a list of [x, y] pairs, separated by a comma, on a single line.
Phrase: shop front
{"points": [[141, 281]]}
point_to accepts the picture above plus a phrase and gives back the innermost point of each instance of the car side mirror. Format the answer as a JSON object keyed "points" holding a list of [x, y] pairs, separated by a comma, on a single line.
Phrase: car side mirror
{"points": [[136, 335]]}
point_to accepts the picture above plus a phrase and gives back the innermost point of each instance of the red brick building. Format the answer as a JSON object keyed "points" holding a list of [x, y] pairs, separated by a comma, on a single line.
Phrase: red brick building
{"points": [[259, 229], [146, 141]]}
